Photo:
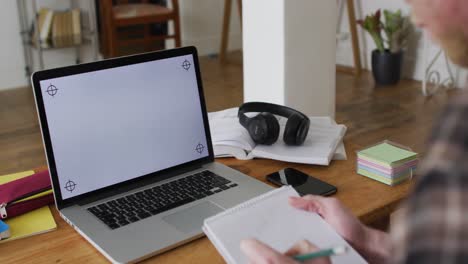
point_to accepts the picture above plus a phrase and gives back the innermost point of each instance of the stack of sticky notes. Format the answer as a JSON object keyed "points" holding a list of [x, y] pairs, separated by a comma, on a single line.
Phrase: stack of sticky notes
{"points": [[387, 163]]}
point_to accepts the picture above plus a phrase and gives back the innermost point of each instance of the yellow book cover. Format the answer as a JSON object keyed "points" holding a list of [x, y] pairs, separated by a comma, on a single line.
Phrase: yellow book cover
{"points": [[41, 17], [70, 41], [45, 27], [55, 30], [76, 17], [61, 30], [35, 222]]}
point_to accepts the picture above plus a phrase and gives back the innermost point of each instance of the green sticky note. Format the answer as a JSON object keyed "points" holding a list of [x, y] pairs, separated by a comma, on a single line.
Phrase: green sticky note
{"points": [[387, 154]]}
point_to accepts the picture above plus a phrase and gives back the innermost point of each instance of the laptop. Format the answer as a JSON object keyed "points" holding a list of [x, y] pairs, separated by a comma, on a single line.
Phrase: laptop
{"points": [[129, 152]]}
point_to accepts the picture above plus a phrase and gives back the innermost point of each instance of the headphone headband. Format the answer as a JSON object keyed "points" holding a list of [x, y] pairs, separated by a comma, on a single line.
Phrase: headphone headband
{"points": [[275, 109]]}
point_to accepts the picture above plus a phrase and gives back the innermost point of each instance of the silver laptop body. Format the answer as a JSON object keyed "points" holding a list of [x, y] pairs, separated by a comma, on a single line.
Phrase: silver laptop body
{"points": [[129, 152]]}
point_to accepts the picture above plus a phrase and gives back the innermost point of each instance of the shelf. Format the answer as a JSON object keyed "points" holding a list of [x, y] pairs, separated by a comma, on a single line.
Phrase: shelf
{"points": [[28, 27], [84, 41]]}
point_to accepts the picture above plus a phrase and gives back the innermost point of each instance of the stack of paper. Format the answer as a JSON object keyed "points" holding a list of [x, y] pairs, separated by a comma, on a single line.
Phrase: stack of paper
{"points": [[387, 163], [324, 141]]}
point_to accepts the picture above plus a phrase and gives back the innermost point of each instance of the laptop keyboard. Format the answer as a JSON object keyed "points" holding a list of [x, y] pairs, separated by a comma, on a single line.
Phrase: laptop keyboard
{"points": [[152, 201]]}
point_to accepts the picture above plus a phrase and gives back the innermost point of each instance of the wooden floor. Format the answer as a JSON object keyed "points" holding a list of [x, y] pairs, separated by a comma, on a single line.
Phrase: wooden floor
{"points": [[371, 114]]}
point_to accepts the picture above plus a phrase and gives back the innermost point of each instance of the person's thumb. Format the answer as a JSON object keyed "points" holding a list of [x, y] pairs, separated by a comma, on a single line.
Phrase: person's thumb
{"points": [[259, 253], [308, 203]]}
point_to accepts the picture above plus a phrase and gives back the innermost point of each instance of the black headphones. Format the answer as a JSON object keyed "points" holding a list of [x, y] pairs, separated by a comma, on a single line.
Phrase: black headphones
{"points": [[264, 127]]}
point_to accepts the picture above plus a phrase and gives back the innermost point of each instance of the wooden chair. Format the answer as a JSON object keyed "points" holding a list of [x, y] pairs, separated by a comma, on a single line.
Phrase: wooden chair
{"points": [[125, 14]]}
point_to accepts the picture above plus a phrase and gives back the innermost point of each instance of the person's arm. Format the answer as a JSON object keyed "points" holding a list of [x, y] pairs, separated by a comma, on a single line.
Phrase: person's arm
{"points": [[377, 246], [433, 227]]}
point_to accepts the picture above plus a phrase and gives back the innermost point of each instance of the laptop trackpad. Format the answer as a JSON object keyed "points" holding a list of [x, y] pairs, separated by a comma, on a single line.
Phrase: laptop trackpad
{"points": [[192, 218]]}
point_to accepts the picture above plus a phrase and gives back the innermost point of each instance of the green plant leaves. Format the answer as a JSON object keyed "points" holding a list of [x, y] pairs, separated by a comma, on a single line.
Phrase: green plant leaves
{"points": [[397, 28]]}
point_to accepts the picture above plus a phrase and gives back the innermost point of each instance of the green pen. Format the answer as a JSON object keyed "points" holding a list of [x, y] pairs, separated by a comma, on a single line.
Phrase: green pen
{"points": [[338, 250]]}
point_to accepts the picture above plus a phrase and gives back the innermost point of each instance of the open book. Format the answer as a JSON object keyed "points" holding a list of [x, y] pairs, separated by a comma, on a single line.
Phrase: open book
{"points": [[323, 143], [270, 219]]}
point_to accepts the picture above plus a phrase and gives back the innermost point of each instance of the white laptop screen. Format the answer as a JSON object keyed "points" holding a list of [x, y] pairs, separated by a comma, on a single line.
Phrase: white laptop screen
{"points": [[117, 124]]}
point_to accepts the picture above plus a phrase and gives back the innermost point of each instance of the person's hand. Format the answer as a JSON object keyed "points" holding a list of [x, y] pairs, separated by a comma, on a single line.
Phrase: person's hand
{"points": [[335, 214], [372, 244], [259, 253]]}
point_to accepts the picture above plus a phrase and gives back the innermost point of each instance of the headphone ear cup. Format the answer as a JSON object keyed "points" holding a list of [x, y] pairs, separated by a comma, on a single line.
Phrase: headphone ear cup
{"points": [[273, 128], [296, 130], [263, 129], [302, 131]]}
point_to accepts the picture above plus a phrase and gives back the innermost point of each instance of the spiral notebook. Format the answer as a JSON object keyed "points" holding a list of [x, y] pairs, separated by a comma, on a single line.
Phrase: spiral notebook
{"points": [[270, 219]]}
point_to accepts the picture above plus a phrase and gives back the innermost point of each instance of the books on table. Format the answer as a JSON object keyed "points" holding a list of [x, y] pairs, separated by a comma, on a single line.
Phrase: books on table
{"points": [[35, 222], [387, 163], [270, 219], [323, 143]]}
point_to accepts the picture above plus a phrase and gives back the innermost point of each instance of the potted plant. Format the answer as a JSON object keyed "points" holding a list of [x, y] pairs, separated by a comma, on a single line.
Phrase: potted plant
{"points": [[387, 58]]}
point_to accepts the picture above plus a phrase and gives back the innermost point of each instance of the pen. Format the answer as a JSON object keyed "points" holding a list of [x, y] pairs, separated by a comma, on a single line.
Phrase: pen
{"points": [[338, 250]]}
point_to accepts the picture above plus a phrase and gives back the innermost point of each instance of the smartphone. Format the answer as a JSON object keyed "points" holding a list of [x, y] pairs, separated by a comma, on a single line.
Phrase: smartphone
{"points": [[303, 183]]}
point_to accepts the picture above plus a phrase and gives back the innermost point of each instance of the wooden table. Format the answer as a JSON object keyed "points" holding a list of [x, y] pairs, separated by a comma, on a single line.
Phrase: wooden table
{"points": [[371, 114], [369, 200]]}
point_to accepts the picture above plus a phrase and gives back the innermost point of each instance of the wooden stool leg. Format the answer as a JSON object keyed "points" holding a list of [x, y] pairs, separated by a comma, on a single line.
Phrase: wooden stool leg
{"points": [[239, 7], [354, 37], [225, 32]]}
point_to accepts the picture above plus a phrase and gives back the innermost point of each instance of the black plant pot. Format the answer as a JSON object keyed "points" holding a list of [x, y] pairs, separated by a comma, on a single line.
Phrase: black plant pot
{"points": [[386, 67]]}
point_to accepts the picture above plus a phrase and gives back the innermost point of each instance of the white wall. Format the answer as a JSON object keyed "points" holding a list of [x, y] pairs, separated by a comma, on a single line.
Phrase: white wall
{"points": [[282, 65], [201, 26], [414, 58], [11, 53]]}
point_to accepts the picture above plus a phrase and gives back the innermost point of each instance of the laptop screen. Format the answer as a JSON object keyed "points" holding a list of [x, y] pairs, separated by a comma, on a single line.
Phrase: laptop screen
{"points": [[117, 124]]}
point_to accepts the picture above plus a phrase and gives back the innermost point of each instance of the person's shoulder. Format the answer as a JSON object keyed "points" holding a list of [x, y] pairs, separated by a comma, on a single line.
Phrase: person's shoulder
{"points": [[459, 97], [448, 143]]}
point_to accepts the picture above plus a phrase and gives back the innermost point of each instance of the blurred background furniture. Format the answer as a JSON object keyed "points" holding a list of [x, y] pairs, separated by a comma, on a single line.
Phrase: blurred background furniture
{"points": [[354, 37], [226, 24], [29, 15], [351, 11], [434, 80], [117, 16], [356, 69]]}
